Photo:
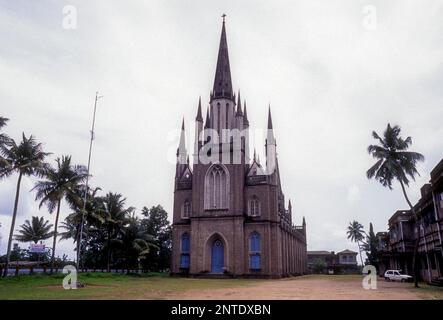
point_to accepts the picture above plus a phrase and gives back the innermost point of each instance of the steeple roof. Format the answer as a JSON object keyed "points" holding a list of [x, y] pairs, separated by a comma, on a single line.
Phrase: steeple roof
{"points": [[245, 119], [207, 121], [199, 111], [269, 118], [181, 150], [222, 81], [239, 110]]}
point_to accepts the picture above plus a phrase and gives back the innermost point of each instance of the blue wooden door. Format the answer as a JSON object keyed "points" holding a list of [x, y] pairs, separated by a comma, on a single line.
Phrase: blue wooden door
{"points": [[217, 261]]}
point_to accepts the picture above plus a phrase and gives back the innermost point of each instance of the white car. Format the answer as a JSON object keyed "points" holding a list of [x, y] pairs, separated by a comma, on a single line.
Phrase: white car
{"points": [[395, 275]]}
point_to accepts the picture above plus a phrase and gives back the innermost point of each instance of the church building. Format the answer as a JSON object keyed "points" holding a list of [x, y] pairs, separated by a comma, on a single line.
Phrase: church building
{"points": [[230, 216]]}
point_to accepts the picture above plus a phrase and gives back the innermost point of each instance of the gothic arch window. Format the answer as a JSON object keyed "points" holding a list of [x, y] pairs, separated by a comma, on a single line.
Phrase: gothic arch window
{"points": [[254, 207], [185, 250], [186, 209], [255, 251], [217, 188]]}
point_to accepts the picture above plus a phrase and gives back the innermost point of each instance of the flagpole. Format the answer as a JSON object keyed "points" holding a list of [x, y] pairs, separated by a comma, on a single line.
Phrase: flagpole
{"points": [[85, 198]]}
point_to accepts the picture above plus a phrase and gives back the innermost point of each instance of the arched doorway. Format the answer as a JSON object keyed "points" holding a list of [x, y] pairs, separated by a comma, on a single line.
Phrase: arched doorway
{"points": [[217, 257]]}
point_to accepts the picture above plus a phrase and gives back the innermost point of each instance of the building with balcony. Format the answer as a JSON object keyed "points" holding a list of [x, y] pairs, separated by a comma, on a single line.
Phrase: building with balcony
{"points": [[396, 247]]}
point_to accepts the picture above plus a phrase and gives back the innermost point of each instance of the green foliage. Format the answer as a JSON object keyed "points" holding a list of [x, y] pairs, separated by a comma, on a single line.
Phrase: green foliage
{"points": [[112, 235], [393, 159], [371, 247], [356, 233], [34, 231], [157, 225], [26, 159], [59, 182], [319, 266]]}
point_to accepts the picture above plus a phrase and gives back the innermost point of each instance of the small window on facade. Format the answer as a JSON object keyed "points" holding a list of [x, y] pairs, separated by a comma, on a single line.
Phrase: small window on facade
{"points": [[254, 207], [186, 211]]}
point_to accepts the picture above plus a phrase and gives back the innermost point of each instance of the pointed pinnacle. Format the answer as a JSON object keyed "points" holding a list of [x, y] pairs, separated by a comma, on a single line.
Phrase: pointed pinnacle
{"points": [[269, 118], [207, 118], [199, 111], [245, 119], [239, 109]]}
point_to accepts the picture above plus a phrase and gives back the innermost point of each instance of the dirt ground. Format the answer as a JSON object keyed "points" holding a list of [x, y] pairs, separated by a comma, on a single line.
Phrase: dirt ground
{"points": [[316, 288]]}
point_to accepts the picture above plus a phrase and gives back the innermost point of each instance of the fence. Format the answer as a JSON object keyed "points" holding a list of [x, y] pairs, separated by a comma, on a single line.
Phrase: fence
{"points": [[27, 270]]}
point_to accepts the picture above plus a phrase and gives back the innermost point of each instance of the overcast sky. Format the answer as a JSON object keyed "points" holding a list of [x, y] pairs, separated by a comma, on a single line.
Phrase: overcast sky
{"points": [[330, 77]]}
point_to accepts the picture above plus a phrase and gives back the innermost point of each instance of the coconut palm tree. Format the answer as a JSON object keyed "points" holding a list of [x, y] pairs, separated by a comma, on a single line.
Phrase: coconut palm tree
{"points": [[115, 218], [134, 243], [36, 230], [357, 234], [59, 183], [92, 219], [395, 162], [26, 159]]}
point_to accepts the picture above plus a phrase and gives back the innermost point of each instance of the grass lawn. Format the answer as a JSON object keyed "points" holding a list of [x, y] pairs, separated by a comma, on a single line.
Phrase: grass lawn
{"points": [[108, 286], [161, 286]]}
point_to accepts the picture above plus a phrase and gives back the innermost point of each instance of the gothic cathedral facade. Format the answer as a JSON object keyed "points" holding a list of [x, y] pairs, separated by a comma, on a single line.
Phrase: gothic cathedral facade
{"points": [[229, 215]]}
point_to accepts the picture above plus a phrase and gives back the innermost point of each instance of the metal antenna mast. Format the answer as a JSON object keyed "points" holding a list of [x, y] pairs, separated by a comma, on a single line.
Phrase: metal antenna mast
{"points": [[87, 183]]}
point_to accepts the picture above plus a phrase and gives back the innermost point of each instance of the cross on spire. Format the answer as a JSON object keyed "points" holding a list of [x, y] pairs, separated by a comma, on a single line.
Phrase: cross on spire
{"points": [[223, 16]]}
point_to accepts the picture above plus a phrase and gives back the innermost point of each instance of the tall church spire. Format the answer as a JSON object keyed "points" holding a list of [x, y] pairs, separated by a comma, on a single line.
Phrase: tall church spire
{"points": [[269, 119], [222, 81]]}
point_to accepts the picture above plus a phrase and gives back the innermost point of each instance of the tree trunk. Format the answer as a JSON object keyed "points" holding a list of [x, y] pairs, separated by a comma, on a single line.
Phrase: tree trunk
{"points": [[109, 252], [417, 241], [359, 250], [55, 236], [14, 216]]}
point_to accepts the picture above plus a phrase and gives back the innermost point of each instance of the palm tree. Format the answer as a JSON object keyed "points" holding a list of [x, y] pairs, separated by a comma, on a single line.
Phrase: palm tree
{"points": [[59, 183], [394, 162], [34, 231], [26, 159], [92, 217], [135, 243], [356, 233], [115, 218]]}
